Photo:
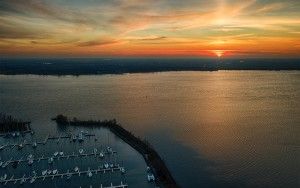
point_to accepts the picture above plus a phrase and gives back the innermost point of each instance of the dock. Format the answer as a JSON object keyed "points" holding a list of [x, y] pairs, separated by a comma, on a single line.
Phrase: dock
{"points": [[62, 175], [73, 155], [113, 186], [11, 133], [41, 142]]}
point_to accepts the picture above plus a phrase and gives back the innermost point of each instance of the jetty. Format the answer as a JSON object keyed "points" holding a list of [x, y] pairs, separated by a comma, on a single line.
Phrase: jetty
{"points": [[152, 158]]}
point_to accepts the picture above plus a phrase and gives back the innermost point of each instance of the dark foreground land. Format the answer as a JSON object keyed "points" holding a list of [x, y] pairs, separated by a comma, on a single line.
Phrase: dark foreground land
{"points": [[11, 124], [153, 160], [93, 66]]}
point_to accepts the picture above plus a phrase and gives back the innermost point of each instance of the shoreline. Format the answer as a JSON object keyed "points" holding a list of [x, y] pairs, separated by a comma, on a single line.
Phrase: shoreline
{"points": [[150, 72], [151, 157], [42, 66]]}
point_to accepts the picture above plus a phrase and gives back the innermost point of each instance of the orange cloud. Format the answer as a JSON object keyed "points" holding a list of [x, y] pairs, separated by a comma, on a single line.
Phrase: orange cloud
{"points": [[148, 27]]}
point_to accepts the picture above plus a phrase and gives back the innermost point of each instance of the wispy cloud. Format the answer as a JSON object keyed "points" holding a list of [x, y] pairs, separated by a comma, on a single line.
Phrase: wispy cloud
{"points": [[140, 25], [98, 42]]}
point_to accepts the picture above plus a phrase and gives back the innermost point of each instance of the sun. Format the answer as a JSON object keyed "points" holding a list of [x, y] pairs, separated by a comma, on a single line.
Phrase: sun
{"points": [[218, 53]]}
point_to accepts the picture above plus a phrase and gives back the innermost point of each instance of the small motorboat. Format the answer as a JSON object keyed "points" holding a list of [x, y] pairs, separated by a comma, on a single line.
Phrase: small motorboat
{"points": [[80, 137], [4, 165], [55, 153], [32, 180], [101, 155], [61, 153], [44, 172], [69, 175], [30, 162], [80, 151], [150, 177], [95, 151], [50, 160], [49, 172], [76, 169], [20, 146], [89, 173], [34, 145], [109, 150], [30, 156], [2, 147], [54, 171], [74, 138], [4, 177], [122, 170], [111, 165], [13, 134], [106, 165]]}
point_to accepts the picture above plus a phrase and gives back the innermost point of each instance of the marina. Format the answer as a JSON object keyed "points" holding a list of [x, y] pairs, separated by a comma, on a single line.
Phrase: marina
{"points": [[156, 166], [30, 159]]}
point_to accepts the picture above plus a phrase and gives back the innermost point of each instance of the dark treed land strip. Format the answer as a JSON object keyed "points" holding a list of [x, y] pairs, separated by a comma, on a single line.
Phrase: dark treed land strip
{"points": [[94, 66], [150, 155], [11, 124]]}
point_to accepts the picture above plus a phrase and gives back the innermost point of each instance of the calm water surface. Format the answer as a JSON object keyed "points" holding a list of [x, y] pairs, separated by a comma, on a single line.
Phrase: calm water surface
{"points": [[213, 129]]}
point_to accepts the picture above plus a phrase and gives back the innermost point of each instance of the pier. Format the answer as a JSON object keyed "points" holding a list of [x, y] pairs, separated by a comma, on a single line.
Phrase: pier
{"points": [[59, 157], [24, 143], [62, 175], [113, 186], [11, 133]]}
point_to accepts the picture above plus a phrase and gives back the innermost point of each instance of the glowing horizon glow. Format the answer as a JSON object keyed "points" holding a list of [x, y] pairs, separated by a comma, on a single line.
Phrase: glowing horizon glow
{"points": [[219, 53], [201, 28]]}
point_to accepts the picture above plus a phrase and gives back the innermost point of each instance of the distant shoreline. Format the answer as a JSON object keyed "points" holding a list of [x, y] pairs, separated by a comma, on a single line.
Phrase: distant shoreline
{"points": [[102, 74], [84, 66]]}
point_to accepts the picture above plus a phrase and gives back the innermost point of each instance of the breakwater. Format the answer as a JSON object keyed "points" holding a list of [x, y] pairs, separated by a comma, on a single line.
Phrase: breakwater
{"points": [[152, 158]]}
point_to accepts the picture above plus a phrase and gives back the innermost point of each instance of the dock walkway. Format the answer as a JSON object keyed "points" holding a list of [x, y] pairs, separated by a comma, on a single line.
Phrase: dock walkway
{"points": [[11, 133], [73, 155], [24, 143], [61, 175]]}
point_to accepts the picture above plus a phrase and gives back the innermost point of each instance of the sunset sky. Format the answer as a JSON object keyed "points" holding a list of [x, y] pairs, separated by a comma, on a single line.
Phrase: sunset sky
{"points": [[201, 28]]}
